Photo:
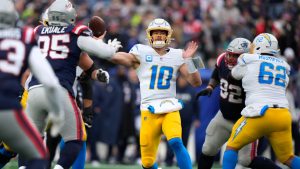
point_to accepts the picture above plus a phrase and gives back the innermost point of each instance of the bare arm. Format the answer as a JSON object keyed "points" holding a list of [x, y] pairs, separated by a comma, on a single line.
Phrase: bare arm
{"points": [[193, 78], [126, 59]]}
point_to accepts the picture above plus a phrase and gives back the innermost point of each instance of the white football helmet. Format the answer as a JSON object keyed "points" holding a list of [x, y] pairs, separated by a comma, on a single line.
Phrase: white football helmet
{"points": [[159, 24], [61, 13], [235, 48], [265, 43], [8, 14]]}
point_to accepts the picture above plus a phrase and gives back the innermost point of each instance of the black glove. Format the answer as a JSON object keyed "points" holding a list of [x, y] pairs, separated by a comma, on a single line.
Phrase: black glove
{"points": [[88, 116], [204, 92], [102, 76]]}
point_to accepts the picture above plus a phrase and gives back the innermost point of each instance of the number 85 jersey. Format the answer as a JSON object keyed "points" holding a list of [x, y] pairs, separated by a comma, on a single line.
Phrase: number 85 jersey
{"points": [[264, 79], [157, 74]]}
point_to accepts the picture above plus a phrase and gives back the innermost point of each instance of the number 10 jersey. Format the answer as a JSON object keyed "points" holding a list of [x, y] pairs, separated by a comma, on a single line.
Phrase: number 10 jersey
{"points": [[157, 74]]}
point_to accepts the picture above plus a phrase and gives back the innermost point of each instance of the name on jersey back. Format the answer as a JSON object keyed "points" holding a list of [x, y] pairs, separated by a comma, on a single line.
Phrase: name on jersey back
{"points": [[53, 29], [269, 58], [10, 33]]}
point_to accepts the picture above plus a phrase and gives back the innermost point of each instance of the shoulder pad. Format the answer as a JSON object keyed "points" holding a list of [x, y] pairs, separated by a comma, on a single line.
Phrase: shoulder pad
{"points": [[28, 35], [220, 58], [82, 30]]}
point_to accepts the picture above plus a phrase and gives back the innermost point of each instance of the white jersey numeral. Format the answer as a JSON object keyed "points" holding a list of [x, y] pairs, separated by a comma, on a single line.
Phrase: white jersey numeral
{"points": [[58, 48], [231, 92], [15, 56]]}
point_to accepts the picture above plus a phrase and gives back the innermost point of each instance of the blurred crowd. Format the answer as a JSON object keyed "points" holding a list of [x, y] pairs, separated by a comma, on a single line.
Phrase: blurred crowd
{"points": [[212, 23]]}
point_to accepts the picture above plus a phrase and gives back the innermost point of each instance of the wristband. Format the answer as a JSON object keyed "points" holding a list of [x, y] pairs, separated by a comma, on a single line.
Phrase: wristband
{"points": [[191, 66]]}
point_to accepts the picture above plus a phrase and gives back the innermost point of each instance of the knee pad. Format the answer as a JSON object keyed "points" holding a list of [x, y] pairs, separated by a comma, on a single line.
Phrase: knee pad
{"points": [[147, 162], [209, 150]]}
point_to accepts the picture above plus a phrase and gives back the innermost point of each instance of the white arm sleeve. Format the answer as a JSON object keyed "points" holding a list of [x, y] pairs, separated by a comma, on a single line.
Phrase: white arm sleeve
{"points": [[95, 47], [41, 69]]}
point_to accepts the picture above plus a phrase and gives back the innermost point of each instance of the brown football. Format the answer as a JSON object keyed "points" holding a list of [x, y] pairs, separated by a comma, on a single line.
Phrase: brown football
{"points": [[97, 25]]}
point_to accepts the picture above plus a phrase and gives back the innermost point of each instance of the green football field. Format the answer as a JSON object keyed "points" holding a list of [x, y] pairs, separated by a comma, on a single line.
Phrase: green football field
{"points": [[13, 165]]}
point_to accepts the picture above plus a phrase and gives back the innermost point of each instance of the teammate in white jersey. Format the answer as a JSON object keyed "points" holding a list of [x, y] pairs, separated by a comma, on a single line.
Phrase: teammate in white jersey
{"points": [[264, 79], [157, 67]]}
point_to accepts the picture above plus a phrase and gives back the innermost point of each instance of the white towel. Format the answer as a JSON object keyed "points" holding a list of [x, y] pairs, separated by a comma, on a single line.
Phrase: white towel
{"points": [[254, 110], [165, 106]]}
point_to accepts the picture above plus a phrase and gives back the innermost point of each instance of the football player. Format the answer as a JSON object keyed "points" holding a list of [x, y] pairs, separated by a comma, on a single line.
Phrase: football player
{"points": [[157, 66], [18, 50], [62, 43], [232, 102], [264, 78]]}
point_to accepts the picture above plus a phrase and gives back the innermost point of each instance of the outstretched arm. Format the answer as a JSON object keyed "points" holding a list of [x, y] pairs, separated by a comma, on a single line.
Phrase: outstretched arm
{"points": [[97, 47], [126, 59], [188, 70]]}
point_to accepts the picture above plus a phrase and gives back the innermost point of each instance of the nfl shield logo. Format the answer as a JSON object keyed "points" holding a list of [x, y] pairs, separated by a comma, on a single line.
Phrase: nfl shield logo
{"points": [[148, 58]]}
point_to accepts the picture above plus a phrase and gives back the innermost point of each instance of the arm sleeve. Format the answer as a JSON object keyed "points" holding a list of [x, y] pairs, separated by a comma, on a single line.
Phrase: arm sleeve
{"points": [[214, 79], [41, 69], [95, 47]]}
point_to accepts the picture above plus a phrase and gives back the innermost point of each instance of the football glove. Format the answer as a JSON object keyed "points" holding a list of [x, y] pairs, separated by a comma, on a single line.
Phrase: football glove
{"points": [[115, 44], [88, 116], [204, 92], [102, 76]]}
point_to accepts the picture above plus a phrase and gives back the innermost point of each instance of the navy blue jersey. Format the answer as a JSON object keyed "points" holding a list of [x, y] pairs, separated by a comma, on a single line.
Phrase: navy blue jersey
{"points": [[232, 95], [59, 46], [15, 47]]}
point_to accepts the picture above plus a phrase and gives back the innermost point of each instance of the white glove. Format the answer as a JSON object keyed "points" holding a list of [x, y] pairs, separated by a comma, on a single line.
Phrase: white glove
{"points": [[102, 76], [114, 43]]}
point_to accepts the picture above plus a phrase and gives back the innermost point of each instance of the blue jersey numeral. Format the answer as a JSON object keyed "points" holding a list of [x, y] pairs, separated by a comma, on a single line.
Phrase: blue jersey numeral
{"points": [[266, 75], [161, 82]]}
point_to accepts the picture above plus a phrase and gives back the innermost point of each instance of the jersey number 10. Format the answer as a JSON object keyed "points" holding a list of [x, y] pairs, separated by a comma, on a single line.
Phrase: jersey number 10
{"points": [[266, 75], [160, 81]]}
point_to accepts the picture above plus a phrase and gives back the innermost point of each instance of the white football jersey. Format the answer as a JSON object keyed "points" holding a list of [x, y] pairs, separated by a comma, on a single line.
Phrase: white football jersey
{"points": [[265, 79], [157, 74]]}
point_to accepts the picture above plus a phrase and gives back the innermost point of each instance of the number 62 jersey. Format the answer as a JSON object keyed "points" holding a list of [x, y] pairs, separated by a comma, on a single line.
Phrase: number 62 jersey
{"points": [[264, 78], [157, 74]]}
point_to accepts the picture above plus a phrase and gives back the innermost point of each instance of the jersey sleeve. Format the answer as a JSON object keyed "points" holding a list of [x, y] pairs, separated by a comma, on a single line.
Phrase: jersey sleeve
{"points": [[82, 30], [28, 36], [135, 50]]}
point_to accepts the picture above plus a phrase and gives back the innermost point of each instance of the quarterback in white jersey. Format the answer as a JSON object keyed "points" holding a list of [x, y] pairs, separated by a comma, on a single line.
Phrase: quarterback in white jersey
{"points": [[157, 67], [264, 79]]}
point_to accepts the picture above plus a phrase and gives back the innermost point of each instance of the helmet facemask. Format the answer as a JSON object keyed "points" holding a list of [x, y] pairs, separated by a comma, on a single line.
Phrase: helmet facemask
{"points": [[231, 59], [158, 38], [159, 25]]}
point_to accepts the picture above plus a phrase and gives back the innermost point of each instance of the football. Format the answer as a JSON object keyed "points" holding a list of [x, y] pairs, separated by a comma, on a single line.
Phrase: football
{"points": [[97, 25]]}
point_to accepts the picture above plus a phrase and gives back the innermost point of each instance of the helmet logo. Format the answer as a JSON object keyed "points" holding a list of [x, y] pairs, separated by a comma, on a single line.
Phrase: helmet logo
{"points": [[268, 38], [244, 45], [68, 5]]}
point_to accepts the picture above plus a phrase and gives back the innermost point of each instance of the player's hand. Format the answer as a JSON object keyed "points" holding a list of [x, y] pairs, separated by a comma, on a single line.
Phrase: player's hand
{"points": [[102, 76], [205, 92], [190, 50], [88, 116], [114, 43]]}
